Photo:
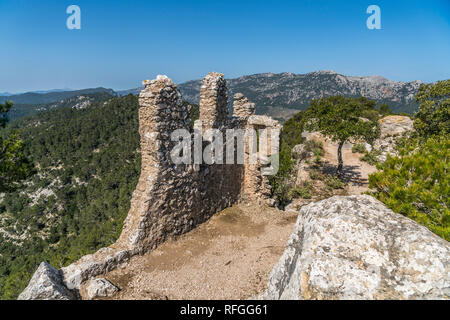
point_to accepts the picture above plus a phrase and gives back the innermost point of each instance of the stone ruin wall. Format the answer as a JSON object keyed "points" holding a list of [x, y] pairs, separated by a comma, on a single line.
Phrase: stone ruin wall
{"points": [[171, 199]]}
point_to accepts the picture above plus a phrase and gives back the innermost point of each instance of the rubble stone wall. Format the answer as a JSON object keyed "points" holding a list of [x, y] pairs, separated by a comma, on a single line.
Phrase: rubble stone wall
{"points": [[171, 199]]}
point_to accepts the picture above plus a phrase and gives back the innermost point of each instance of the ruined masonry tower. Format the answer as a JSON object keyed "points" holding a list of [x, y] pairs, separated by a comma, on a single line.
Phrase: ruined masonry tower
{"points": [[171, 199]]}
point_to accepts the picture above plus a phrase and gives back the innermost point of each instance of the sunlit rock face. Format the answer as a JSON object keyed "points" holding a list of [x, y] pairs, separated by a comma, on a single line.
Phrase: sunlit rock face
{"points": [[356, 248]]}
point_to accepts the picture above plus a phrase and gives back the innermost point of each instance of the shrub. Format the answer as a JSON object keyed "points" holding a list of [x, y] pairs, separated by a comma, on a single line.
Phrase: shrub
{"points": [[315, 175], [317, 161], [292, 130], [280, 181], [280, 190], [314, 146], [194, 111], [433, 116], [302, 191], [385, 110], [371, 157], [417, 183], [372, 115], [290, 136], [359, 148], [333, 182]]}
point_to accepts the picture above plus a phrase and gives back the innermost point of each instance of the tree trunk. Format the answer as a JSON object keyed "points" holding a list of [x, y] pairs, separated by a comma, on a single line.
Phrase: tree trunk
{"points": [[340, 161]]}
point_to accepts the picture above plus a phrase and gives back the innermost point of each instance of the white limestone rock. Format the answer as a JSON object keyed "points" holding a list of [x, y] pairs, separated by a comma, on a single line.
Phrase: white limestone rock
{"points": [[46, 284], [356, 248], [392, 128], [100, 288]]}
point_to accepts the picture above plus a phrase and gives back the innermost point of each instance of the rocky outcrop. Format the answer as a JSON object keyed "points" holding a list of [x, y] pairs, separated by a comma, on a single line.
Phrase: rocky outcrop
{"points": [[392, 128], [100, 288], [395, 125], [356, 248], [46, 284], [92, 265]]}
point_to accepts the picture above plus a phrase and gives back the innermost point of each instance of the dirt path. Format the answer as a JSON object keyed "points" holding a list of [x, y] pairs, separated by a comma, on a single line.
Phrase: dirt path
{"points": [[356, 172], [228, 257]]}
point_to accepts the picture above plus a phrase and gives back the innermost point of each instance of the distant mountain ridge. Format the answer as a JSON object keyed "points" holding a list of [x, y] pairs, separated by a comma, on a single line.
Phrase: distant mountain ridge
{"points": [[81, 101], [29, 103], [285, 93], [279, 95], [53, 90], [36, 91], [50, 96]]}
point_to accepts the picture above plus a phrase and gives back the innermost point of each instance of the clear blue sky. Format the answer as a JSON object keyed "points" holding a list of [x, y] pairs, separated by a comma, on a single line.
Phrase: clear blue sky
{"points": [[123, 42]]}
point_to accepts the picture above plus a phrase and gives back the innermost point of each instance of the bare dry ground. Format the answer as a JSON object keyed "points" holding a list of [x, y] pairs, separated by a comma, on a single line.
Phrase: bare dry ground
{"points": [[356, 172], [228, 257], [231, 255]]}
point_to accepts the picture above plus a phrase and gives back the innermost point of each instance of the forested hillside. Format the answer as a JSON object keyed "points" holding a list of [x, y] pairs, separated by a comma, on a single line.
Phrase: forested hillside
{"points": [[20, 110], [52, 96], [87, 164]]}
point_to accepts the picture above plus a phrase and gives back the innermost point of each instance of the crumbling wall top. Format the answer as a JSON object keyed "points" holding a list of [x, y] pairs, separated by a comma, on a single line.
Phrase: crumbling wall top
{"points": [[242, 108], [160, 81], [213, 100]]}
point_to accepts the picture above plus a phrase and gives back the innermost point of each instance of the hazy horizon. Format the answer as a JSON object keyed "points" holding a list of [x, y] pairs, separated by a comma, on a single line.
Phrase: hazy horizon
{"points": [[46, 90]]}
